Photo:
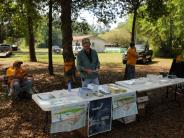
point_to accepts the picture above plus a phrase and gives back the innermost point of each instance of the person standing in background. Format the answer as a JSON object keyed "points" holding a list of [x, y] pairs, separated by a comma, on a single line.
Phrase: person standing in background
{"points": [[131, 61]]}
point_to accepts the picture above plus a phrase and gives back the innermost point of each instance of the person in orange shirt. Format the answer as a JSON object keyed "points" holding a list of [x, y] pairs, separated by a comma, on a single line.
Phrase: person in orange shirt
{"points": [[10, 74], [17, 79], [131, 61]]}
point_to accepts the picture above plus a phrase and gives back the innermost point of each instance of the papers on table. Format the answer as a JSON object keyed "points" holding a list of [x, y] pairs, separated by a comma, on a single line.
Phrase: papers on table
{"points": [[129, 82], [72, 100], [93, 87], [46, 97], [104, 89], [85, 92], [115, 89]]}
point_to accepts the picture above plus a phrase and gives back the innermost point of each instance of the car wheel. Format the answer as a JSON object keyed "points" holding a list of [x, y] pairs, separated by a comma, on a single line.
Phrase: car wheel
{"points": [[150, 59], [144, 60]]}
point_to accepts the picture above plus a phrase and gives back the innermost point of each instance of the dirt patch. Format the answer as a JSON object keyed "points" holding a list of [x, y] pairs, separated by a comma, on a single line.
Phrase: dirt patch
{"points": [[164, 117]]}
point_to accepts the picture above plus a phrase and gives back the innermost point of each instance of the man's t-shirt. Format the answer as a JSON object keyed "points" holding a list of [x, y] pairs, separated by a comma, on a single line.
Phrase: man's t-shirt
{"points": [[131, 56], [10, 73]]}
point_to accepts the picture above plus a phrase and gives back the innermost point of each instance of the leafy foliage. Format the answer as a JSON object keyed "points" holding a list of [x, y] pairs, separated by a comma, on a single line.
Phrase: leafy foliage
{"points": [[118, 37], [166, 34]]}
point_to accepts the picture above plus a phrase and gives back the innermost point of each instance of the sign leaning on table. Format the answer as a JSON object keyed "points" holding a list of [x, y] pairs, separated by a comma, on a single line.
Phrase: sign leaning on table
{"points": [[99, 116], [124, 105], [68, 118]]}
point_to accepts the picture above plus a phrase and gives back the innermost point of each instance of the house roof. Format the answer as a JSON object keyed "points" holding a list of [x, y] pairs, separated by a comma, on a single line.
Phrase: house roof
{"points": [[81, 37]]}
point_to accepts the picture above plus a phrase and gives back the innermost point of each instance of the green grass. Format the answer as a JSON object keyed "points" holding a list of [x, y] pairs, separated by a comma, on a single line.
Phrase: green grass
{"points": [[106, 59], [42, 56]]}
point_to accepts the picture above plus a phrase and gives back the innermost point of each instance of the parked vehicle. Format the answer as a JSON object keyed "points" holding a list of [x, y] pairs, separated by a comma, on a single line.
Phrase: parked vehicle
{"points": [[14, 47], [5, 50], [144, 54], [56, 49], [76, 49]]}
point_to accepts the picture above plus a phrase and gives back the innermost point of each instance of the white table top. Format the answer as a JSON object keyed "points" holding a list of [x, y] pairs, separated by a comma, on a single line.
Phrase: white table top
{"points": [[145, 83], [63, 98]]}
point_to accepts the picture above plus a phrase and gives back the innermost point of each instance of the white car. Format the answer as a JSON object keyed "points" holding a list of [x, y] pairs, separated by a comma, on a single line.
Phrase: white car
{"points": [[5, 50], [76, 49]]}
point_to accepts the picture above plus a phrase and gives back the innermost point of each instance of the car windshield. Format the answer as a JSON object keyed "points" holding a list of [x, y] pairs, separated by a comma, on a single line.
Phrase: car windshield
{"points": [[4, 47], [140, 47]]}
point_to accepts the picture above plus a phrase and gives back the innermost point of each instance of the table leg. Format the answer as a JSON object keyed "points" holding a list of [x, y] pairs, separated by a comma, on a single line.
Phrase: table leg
{"points": [[175, 92], [167, 92], [45, 127]]}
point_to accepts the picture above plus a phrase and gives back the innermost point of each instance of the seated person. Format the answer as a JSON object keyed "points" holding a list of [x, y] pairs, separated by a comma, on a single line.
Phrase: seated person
{"points": [[18, 79]]}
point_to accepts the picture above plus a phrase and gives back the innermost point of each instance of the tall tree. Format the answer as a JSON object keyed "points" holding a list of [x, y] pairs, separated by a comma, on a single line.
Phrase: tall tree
{"points": [[29, 12], [50, 67], [66, 27], [7, 10], [155, 9], [167, 33]]}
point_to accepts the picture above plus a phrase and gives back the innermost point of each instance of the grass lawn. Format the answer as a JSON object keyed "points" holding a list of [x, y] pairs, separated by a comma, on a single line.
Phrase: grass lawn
{"points": [[108, 60], [42, 56]]}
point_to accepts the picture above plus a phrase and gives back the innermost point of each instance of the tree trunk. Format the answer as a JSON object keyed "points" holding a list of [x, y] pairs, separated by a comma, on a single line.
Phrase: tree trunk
{"points": [[50, 68], [66, 28], [31, 39], [133, 27], [171, 37], [32, 54], [1, 33]]}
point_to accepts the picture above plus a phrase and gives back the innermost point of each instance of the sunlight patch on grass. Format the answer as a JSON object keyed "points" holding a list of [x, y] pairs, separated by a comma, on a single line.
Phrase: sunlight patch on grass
{"points": [[110, 58]]}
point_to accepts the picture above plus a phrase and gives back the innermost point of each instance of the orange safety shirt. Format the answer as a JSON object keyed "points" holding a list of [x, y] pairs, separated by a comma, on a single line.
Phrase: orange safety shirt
{"points": [[131, 56], [10, 74]]}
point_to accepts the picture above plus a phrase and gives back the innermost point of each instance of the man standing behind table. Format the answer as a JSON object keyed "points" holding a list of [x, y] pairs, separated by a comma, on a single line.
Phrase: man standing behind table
{"points": [[131, 61], [88, 64]]}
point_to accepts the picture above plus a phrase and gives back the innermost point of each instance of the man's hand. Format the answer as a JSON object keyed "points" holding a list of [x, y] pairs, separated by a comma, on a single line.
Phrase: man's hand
{"points": [[89, 71]]}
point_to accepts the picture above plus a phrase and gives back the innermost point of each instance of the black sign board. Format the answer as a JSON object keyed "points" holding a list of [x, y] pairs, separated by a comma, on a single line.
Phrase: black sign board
{"points": [[99, 116]]}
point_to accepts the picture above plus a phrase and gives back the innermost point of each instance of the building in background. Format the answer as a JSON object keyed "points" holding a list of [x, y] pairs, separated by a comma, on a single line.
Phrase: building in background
{"points": [[96, 42]]}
